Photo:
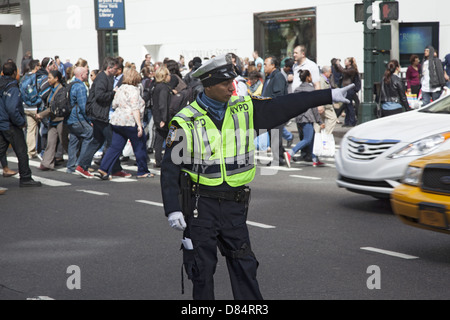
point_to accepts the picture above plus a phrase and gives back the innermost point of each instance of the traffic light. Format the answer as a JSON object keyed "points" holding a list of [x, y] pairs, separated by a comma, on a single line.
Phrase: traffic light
{"points": [[389, 11], [359, 12]]}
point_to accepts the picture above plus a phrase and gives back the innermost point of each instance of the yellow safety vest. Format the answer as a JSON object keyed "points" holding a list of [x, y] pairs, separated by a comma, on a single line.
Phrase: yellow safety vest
{"points": [[216, 156]]}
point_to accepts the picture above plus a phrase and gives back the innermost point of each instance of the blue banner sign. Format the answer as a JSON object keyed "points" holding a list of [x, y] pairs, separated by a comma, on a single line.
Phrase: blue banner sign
{"points": [[110, 14]]}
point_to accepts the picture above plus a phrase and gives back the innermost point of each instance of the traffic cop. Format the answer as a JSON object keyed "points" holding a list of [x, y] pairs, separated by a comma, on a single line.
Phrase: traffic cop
{"points": [[208, 163]]}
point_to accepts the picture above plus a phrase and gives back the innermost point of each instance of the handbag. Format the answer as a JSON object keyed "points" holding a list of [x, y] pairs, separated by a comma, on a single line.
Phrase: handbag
{"points": [[379, 109], [324, 144]]}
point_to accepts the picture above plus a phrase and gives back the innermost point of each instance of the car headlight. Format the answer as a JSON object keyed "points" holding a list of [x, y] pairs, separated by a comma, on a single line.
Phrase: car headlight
{"points": [[413, 176], [421, 147]]}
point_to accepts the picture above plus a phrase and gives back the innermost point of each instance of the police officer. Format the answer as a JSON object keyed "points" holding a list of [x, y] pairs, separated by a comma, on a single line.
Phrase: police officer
{"points": [[210, 160]]}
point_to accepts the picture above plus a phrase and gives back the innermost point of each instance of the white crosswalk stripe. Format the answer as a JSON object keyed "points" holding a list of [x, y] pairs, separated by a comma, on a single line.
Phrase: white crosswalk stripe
{"points": [[57, 183]]}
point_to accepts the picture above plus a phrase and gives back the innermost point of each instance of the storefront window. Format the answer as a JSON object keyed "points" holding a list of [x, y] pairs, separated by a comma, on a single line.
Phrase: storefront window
{"points": [[279, 32]]}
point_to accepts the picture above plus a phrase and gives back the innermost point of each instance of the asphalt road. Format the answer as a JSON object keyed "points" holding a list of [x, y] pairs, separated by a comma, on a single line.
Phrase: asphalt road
{"points": [[89, 239]]}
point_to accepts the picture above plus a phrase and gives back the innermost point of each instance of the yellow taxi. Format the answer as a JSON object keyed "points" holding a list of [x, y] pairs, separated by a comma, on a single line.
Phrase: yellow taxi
{"points": [[423, 198]]}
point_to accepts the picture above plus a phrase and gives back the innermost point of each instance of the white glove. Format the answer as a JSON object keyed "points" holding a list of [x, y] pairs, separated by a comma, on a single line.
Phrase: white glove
{"points": [[176, 221], [340, 94]]}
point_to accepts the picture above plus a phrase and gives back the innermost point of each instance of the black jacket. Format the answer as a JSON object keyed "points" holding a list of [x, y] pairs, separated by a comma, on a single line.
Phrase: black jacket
{"points": [[100, 98], [394, 91], [437, 78], [275, 85], [161, 102], [11, 108]]}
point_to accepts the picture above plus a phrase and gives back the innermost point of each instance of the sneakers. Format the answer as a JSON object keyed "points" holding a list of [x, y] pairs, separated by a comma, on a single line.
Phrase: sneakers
{"points": [[3, 190], [122, 174], [29, 184], [84, 173], [318, 163], [287, 158], [103, 175]]}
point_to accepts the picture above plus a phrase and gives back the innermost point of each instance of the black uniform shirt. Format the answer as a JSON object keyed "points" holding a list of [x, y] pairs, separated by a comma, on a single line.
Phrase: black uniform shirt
{"points": [[267, 114]]}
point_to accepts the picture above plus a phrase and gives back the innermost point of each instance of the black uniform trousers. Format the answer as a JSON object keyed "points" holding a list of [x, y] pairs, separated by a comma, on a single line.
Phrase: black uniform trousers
{"points": [[220, 223]]}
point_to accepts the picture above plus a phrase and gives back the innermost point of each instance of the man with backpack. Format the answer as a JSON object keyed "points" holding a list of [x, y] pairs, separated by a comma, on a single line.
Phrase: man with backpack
{"points": [[12, 121], [35, 90], [31, 102], [80, 129]]}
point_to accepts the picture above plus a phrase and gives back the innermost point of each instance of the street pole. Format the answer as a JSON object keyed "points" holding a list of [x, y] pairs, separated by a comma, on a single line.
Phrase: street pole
{"points": [[111, 44], [367, 109]]}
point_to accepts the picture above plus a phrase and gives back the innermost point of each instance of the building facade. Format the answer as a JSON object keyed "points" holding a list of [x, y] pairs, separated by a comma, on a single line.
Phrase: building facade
{"points": [[201, 28]]}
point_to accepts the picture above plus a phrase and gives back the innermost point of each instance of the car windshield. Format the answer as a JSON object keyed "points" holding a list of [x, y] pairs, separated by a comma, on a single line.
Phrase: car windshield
{"points": [[441, 106]]}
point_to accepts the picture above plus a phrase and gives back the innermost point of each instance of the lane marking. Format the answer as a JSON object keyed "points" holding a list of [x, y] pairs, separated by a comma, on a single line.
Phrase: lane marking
{"points": [[41, 298], [54, 183], [260, 225], [251, 223], [50, 182], [306, 177], [47, 182], [94, 192], [156, 204], [390, 253]]}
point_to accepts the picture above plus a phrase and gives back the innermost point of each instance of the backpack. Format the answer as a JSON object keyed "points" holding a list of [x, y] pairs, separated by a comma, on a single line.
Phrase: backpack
{"points": [[180, 100], [357, 82], [60, 105], [29, 90], [146, 92]]}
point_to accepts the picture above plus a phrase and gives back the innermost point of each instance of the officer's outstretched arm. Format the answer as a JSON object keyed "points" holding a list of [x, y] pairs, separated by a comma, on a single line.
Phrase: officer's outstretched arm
{"points": [[271, 113]]}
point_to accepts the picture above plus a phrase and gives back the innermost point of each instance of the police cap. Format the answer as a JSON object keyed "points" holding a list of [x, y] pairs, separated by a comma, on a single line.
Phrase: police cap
{"points": [[216, 70]]}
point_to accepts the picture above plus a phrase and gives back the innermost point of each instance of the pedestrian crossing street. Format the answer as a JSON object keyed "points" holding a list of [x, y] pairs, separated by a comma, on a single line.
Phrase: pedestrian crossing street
{"points": [[263, 158]]}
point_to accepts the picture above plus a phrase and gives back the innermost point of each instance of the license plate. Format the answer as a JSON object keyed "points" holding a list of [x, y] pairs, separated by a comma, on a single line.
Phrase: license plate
{"points": [[433, 215]]}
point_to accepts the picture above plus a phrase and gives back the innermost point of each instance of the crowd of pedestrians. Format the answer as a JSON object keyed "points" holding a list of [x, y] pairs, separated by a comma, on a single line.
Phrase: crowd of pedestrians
{"points": [[120, 105]]}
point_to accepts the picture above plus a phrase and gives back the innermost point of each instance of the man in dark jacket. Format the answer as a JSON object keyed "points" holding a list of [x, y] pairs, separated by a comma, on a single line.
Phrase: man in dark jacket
{"points": [[433, 76], [12, 120], [98, 107], [276, 86]]}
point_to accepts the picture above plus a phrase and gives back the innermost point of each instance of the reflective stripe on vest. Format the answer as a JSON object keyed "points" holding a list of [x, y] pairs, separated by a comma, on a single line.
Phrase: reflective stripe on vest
{"points": [[217, 156]]}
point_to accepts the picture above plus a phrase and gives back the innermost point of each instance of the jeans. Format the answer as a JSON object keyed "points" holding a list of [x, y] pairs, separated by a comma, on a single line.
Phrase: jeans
{"points": [[427, 96], [350, 114], [120, 136], [287, 135], [102, 132], [81, 136], [307, 141], [16, 138]]}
